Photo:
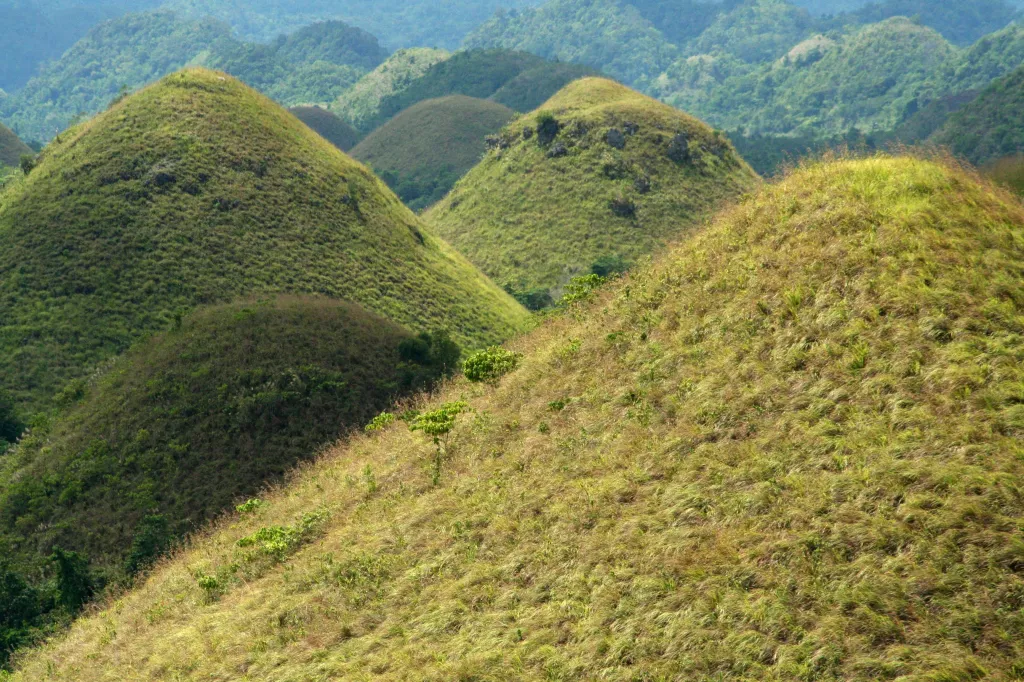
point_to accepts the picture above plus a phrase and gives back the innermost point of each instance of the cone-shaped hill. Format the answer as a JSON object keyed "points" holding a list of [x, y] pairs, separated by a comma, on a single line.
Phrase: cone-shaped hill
{"points": [[424, 150], [194, 418], [599, 171], [788, 451], [199, 190], [328, 126], [11, 148]]}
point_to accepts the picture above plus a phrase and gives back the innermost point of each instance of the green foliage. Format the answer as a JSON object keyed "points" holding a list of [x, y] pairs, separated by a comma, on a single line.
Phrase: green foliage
{"points": [[491, 364], [328, 126], [72, 579], [198, 190], [533, 87], [152, 538], [1008, 172], [755, 32], [423, 151], [250, 506], [991, 126], [20, 610], [171, 434], [553, 195], [380, 422], [611, 36], [580, 289], [607, 267], [27, 163], [962, 22], [11, 424], [438, 424]]}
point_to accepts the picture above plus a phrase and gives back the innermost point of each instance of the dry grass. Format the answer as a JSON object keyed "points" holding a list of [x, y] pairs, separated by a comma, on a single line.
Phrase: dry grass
{"points": [[791, 450]]}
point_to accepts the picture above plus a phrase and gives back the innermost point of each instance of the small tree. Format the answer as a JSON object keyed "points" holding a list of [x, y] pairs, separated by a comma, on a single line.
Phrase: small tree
{"points": [[547, 128], [152, 538], [73, 583], [490, 364], [581, 288], [438, 425], [28, 163]]}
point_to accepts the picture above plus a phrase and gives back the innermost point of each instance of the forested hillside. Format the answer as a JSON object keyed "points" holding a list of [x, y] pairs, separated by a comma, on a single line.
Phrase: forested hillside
{"points": [[991, 126]]}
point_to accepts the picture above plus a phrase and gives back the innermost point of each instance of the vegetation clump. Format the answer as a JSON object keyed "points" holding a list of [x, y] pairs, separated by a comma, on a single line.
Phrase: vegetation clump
{"points": [[554, 196], [491, 364], [198, 190], [790, 448]]}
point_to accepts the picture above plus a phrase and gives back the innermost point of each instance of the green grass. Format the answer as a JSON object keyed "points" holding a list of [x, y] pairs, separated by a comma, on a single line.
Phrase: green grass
{"points": [[360, 104], [1008, 172], [791, 450], [530, 221], [198, 190], [11, 148], [424, 150], [328, 126], [196, 418]]}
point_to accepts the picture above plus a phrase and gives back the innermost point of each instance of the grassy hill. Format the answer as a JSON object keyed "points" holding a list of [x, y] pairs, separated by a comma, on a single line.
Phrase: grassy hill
{"points": [[990, 127], [533, 87], [199, 190], [623, 176], [194, 419], [361, 103], [789, 451], [11, 148], [1008, 172], [328, 126], [473, 73], [424, 150]]}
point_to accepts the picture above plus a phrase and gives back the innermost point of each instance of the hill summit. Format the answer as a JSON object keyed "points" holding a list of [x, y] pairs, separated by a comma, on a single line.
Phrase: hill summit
{"points": [[790, 450], [599, 171], [199, 190]]}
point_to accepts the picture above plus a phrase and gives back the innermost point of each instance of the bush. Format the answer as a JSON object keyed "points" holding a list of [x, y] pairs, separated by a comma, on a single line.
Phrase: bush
{"points": [[73, 583], [11, 425], [152, 539], [609, 266], [491, 364], [580, 288], [428, 358], [547, 128], [28, 163], [20, 609]]}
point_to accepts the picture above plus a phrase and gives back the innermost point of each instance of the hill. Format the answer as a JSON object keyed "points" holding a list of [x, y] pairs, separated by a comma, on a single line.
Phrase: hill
{"points": [[328, 126], [11, 148], [194, 419], [608, 35], [789, 451], [533, 87], [991, 126], [424, 150], [962, 22], [755, 31], [976, 67], [361, 102], [599, 171], [870, 79], [199, 190], [473, 73]]}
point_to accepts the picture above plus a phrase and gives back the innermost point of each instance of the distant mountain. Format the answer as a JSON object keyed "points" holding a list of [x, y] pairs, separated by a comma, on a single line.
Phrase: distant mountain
{"points": [[199, 190], [755, 31], [328, 126], [991, 126], [599, 175], [124, 54], [426, 148], [962, 22]]}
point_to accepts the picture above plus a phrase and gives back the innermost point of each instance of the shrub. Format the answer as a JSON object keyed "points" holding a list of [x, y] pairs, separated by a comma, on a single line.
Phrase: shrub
{"points": [[491, 364], [427, 358], [609, 266], [152, 538], [547, 128], [438, 424], [380, 422], [581, 288], [11, 426], [28, 163], [20, 609], [73, 583]]}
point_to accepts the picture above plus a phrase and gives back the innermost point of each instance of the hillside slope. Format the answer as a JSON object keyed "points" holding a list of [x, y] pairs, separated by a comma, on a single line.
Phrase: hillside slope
{"points": [[424, 150], [328, 126], [199, 190], [11, 148], [624, 175], [790, 451], [991, 126], [194, 419]]}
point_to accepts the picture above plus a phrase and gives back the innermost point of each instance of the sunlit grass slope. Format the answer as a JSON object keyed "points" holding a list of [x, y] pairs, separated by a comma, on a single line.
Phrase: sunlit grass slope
{"points": [[199, 190], [328, 125], [791, 450], [536, 212], [11, 148], [195, 418], [424, 150]]}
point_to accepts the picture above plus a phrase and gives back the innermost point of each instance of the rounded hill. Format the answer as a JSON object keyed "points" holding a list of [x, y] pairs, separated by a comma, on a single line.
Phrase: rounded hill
{"points": [[11, 148], [199, 190], [191, 420], [599, 171], [328, 126], [788, 451], [424, 150]]}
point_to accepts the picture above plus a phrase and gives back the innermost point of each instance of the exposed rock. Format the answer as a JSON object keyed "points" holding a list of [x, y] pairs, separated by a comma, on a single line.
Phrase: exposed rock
{"points": [[679, 148], [557, 149], [615, 139]]}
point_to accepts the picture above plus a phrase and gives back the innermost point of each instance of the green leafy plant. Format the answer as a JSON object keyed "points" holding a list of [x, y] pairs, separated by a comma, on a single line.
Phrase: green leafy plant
{"points": [[250, 506], [490, 364], [438, 425], [581, 288], [380, 422]]}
